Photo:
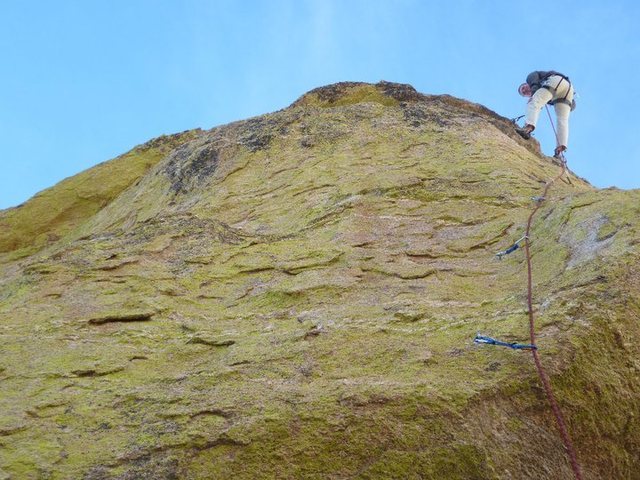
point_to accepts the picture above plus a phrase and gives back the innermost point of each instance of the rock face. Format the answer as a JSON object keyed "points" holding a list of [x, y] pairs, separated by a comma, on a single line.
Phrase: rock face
{"points": [[296, 296]]}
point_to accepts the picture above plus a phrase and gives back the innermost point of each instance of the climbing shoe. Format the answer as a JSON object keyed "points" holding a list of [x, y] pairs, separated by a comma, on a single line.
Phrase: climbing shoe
{"points": [[559, 151], [525, 132]]}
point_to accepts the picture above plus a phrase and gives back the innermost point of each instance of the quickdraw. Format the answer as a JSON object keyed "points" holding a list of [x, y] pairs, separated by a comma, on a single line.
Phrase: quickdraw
{"points": [[512, 248], [492, 341]]}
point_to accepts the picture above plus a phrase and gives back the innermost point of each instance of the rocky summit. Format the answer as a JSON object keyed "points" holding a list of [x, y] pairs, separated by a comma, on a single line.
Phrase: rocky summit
{"points": [[296, 295]]}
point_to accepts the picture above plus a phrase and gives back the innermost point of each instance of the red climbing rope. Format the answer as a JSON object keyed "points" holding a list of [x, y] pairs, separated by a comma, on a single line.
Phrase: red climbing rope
{"points": [[544, 378]]}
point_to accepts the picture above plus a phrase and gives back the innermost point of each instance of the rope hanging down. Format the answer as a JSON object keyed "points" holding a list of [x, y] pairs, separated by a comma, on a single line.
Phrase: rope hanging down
{"points": [[542, 374], [544, 378]]}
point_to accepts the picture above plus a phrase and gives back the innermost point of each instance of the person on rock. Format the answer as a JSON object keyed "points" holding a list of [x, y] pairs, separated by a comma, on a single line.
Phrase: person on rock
{"points": [[555, 89]]}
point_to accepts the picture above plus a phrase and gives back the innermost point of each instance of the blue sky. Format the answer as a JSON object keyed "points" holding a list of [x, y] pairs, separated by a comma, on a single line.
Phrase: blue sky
{"points": [[84, 81]]}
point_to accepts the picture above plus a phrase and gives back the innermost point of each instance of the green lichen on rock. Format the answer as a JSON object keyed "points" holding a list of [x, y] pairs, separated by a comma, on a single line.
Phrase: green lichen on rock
{"points": [[54, 212], [296, 296], [346, 93]]}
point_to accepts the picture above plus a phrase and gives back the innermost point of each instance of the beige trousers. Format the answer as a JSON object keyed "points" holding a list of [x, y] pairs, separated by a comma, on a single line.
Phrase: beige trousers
{"points": [[543, 96]]}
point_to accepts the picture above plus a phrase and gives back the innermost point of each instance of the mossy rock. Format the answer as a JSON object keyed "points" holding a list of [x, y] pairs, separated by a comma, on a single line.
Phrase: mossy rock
{"points": [[296, 296]]}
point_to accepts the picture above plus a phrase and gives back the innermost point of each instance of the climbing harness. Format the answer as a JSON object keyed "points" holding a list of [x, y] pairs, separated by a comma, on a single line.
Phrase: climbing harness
{"points": [[542, 374], [492, 341], [553, 91], [511, 249]]}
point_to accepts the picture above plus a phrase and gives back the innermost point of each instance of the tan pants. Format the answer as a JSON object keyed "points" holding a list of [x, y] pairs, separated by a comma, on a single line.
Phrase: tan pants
{"points": [[543, 96]]}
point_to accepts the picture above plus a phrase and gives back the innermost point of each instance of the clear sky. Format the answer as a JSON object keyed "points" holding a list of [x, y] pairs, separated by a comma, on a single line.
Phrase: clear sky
{"points": [[84, 81]]}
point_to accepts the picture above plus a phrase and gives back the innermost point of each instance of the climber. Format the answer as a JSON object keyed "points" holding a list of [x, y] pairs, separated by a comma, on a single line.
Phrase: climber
{"points": [[555, 89]]}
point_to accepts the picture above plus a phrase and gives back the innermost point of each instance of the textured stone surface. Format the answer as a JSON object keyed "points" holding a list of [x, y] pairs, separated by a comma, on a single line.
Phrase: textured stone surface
{"points": [[295, 296]]}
